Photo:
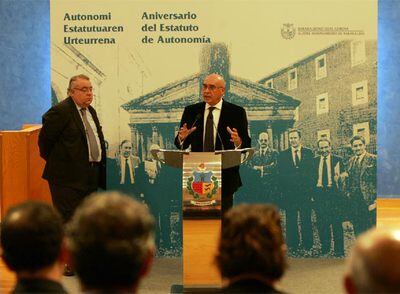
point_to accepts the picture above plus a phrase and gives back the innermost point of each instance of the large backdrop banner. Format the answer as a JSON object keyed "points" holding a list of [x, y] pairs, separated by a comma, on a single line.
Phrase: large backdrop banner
{"points": [[308, 65]]}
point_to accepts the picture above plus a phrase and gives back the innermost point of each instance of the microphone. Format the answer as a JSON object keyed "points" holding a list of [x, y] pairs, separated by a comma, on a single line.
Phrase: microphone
{"points": [[219, 137], [198, 116]]}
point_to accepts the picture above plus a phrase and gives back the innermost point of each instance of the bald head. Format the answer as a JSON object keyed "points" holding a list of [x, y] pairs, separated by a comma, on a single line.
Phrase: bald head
{"points": [[263, 140], [111, 238], [218, 79], [213, 89], [373, 265]]}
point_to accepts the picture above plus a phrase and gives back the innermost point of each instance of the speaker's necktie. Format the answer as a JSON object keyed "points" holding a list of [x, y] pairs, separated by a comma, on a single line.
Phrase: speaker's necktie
{"points": [[209, 135]]}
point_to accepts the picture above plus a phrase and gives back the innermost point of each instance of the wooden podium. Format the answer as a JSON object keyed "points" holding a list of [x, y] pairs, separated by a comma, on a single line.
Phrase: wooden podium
{"points": [[21, 168], [201, 206]]}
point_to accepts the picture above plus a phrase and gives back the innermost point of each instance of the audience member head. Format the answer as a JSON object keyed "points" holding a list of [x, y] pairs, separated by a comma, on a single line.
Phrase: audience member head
{"points": [[31, 240], [111, 239], [252, 244], [373, 265]]}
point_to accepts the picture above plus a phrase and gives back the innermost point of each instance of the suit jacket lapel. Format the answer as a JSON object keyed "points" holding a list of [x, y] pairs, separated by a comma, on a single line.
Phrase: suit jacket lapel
{"points": [[290, 157], [95, 119], [302, 156], [77, 117], [364, 163], [222, 116], [200, 124], [222, 124], [351, 163]]}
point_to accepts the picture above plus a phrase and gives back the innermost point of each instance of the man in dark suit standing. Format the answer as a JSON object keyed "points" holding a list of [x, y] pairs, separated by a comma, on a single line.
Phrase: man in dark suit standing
{"points": [[295, 182], [215, 124], [72, 143], [360, 185], [328, 200]]}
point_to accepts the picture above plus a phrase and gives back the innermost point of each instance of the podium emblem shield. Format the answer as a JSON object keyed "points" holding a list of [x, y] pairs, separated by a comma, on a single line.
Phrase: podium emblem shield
{"points": [[203, 183]]}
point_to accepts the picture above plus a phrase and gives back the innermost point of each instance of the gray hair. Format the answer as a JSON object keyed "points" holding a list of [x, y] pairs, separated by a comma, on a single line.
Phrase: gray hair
{"points": [[108, 227], [373, 262]]}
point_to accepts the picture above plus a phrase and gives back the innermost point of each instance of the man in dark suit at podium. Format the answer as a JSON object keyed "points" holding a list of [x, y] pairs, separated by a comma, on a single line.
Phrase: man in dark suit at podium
{"points": [[72, 143], [215, 124]]}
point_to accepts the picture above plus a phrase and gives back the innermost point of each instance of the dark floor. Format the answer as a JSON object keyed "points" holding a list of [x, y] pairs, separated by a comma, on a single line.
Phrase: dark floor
{"points": [[303, 276]]}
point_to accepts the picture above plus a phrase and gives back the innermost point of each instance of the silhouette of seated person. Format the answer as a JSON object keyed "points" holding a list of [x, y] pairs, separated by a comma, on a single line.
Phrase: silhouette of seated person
{"points": [[251, 252], [32, 246], [373, 265], [111, 239]]}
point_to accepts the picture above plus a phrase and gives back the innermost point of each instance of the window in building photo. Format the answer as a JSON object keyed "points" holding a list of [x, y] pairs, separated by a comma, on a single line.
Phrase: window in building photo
{"points": [[320, 67], [324, 134], [359, 93], [322, 103], [269, 83], [363, 130], [357, 52]]}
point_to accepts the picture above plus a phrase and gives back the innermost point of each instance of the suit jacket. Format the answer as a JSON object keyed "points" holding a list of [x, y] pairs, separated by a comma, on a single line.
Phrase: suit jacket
{"points": [[231, 115], [38, 286], [367, 177], [249, 286], [63, 144], [267, 161], [292, 179]]}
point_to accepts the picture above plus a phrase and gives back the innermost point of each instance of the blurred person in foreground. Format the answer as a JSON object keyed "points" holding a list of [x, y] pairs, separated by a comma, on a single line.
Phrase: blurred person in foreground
{"points": [[111, 239], [252, 252], [373, 265], [31, 246]]}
